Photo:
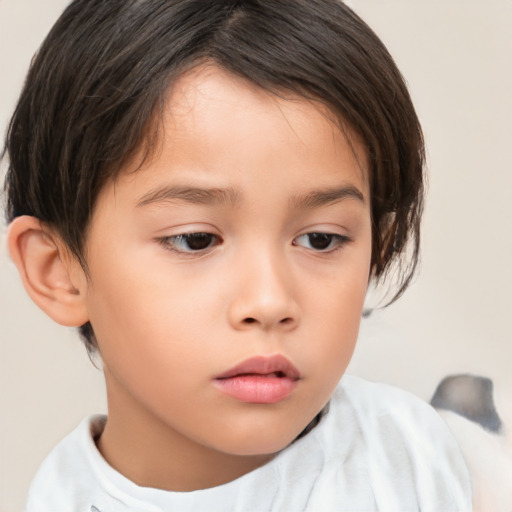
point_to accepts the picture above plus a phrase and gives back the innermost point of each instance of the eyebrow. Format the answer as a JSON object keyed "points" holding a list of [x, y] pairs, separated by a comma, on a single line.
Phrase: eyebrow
{"points": [[207, 196], [195, 195], [323, 197]]}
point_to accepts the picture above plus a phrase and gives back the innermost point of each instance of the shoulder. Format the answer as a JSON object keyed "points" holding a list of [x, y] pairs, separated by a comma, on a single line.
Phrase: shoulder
{"points": [[64, 479], [408, 447], [381, 407], [369, 396], [385, 412]]}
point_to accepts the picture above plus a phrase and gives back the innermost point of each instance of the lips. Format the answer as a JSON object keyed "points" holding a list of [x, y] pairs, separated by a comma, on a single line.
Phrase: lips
{"points": [[263, 380]]}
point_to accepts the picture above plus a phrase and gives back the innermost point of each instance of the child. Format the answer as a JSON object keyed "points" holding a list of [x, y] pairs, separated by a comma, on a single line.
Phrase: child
{"points": [[206, 189]]}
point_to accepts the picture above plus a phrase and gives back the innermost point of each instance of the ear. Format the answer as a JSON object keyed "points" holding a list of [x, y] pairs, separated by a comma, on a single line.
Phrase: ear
{"points": [[52, 277]]}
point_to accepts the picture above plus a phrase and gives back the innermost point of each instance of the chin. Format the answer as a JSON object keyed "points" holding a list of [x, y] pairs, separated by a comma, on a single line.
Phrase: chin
{"points": [[258, 445], [262, 440]]}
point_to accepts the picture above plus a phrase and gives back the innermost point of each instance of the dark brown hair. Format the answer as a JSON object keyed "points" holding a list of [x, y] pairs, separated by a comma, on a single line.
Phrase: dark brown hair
{"points": [[101, 75]]}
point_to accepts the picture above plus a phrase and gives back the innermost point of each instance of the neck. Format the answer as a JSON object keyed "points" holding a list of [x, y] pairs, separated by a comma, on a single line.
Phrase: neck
{"points": [[150, 453]]}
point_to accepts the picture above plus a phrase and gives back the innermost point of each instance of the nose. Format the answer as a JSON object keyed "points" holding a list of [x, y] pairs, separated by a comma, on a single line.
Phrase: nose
{"points": [[263, 295]]}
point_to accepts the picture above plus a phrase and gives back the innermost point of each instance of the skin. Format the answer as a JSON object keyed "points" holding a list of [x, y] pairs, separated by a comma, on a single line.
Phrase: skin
{"points": [[168, 319]]}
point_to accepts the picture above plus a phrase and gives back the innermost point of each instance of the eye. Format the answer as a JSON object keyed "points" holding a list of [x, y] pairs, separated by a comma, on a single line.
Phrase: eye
{"points": [[321, 242], [190, 242]]}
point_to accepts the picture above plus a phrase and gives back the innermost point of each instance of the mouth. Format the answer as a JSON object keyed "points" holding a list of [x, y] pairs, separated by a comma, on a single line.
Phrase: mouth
{"points": [[260, 380]]}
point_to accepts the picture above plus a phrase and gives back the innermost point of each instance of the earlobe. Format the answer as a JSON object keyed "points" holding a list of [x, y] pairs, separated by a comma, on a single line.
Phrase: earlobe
{"points": [[49, 275]]}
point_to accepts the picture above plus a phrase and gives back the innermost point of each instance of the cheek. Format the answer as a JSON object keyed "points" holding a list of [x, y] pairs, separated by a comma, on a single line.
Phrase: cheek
{"points": [[333, 329], [337, 328], [144, 315], [123, 301], [337, 302]]}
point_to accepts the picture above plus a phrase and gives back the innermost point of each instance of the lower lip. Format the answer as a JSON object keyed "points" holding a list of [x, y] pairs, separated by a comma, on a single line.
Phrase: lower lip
{"points": [[257, 389]]}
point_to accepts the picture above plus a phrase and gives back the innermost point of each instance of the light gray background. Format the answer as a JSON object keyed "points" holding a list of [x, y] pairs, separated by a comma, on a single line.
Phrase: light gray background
{"points": [[457, 57]]}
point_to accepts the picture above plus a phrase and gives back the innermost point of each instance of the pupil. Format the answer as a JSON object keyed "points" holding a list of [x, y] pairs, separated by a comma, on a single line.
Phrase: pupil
{"points": [[319, 240], [198, 241]]}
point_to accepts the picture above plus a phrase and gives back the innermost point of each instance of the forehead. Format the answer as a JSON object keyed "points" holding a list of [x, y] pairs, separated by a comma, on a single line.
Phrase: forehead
{"points": [[215, 125], [207, 101]]}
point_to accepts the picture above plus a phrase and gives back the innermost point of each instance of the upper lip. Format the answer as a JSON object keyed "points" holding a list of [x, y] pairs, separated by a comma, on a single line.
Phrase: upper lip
{"points": [[263, 365]]}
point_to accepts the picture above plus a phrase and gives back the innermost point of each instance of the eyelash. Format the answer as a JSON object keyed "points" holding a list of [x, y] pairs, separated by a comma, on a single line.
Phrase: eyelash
{"points": [[171, 242], [338, 241]]}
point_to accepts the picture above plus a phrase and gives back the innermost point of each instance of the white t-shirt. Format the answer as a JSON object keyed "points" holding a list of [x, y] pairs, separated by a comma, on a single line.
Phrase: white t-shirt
{"points": [[378, 448]]}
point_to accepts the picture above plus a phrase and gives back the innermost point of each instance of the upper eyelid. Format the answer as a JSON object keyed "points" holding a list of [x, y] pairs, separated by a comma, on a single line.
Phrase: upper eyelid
{"points": [[192, 233], [342, 239], [165, 241], [339, 236], [309, 232]]}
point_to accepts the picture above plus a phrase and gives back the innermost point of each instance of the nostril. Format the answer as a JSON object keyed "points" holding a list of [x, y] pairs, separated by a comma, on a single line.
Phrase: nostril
{"points": [[284, 321]]}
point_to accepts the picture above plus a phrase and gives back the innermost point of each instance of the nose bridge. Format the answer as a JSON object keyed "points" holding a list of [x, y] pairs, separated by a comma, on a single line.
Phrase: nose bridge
{"points": [[264, 294]]}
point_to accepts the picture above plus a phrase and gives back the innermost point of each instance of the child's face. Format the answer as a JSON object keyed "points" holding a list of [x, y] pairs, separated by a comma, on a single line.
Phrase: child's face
{"points": [[257, 176]]}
